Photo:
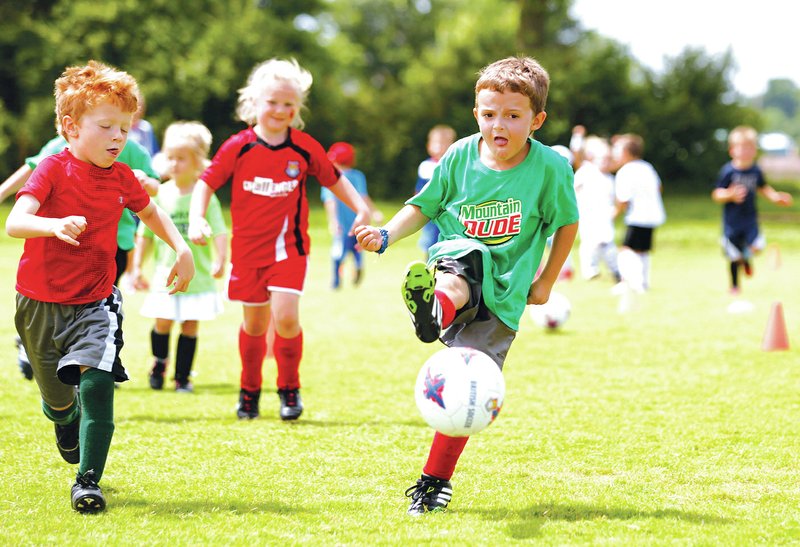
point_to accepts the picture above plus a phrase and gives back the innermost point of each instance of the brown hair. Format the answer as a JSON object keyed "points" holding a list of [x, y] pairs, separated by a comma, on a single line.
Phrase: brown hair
{"points": [[632, 143], [81, 88], [520, 75]]}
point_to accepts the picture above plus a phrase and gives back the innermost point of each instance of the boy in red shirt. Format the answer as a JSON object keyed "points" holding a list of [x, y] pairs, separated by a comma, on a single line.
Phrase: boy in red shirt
{"points": [[268, 164], [69, 314]]}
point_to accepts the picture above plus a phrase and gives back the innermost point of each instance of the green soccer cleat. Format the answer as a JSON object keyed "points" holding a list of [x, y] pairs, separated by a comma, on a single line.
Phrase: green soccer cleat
{"points": [[422, 304]]}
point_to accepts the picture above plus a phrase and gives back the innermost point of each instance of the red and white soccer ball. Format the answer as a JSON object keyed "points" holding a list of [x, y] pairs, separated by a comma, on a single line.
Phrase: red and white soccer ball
{"points": [[459, 391], [553, 313]]}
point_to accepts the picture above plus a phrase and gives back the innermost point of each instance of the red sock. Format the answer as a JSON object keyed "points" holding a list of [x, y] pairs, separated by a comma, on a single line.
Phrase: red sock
{"points": [[448, 308], [444, 455], [252, 350], [288, 352]]}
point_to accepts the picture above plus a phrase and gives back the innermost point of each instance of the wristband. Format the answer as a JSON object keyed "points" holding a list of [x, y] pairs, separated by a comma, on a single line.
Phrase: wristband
{"points": [[385, 243]]}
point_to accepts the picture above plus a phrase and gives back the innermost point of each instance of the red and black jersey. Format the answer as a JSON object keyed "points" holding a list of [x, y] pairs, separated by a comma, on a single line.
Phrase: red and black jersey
{"points": [[51, 270], [269, 202]]}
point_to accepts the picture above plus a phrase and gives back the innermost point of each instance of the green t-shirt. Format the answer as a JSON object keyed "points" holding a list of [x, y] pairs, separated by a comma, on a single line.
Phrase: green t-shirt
{"points": [[176, 206], [506, 215], [134, 155]]}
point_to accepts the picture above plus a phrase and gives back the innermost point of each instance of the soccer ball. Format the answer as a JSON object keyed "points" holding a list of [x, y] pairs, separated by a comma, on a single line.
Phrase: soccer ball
{"points": [[459, 391], [553, 313]]}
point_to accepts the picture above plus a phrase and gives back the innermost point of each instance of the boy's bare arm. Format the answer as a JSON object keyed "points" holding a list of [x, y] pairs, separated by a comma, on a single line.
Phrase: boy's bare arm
{"points": [[408, 220], [563, 239], [161, 225], [22, 222], [776, 197], [735, 193]]}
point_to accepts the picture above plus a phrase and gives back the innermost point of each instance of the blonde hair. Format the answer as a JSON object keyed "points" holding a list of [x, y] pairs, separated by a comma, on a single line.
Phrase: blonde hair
{"points": [[519, 75], [443, 130], [595, 147], [264, 75], [742, 133], [193, 136], [82, 88]]}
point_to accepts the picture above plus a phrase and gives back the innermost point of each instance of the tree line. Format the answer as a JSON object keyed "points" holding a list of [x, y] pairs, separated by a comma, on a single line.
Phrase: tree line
{"points": [[385, 71]]}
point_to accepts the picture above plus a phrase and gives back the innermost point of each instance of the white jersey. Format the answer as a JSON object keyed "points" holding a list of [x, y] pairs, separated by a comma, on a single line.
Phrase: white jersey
{"points": [[594, 191], [639, 186]]}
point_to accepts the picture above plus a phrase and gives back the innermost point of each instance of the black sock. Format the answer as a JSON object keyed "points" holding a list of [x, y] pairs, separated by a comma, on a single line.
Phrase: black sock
{"points": [[97, 422], [160, 346], [184, 357], [735, 275]]}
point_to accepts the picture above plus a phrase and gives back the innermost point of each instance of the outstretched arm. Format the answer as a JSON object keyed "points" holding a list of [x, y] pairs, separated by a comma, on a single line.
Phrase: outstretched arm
{"points": [[345, 191], [408, 220], [563, 239], [778, 198], [161, 225]]}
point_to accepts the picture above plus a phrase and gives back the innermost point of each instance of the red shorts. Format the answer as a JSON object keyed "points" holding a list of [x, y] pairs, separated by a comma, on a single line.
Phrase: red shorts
{"points": [[254, 285]]}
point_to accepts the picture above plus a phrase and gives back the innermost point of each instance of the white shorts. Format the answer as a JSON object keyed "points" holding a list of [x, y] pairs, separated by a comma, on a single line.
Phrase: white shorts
{"points": [[182, 307]]}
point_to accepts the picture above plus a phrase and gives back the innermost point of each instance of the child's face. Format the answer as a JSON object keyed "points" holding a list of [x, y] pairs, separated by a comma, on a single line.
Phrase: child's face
{"points": [[99, 136], [505, 121], [182, 163], [277, 108], [743, 151], [438, 142]]}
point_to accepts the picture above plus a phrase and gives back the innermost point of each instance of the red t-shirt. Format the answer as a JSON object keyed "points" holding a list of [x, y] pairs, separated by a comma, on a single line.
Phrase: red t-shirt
{"points": [[51, 270], [269, 203]]}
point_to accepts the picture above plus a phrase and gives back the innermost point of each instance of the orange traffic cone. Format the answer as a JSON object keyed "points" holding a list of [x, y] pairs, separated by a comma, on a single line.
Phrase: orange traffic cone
{"points": [[775, 337]]}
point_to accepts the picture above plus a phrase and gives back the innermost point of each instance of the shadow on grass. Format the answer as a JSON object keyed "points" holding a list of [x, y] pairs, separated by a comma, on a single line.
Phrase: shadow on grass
{"points": [[183, 507], [527, 523], [267, 420]]}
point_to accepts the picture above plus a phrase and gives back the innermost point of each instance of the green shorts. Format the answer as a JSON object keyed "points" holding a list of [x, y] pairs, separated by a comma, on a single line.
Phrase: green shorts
{"points": [[59, 339]]}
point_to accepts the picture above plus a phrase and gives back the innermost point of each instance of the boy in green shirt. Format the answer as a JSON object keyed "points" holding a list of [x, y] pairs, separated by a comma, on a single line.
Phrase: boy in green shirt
{"points": [[495, 196]]}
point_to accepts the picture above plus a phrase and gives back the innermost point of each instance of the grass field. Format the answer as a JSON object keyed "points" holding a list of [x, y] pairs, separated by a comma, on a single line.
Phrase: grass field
{"points": [[664, 425]]}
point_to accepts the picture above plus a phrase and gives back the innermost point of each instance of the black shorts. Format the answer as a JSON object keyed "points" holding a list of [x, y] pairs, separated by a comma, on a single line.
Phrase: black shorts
{"points": [[474, 325], [639, 238]]}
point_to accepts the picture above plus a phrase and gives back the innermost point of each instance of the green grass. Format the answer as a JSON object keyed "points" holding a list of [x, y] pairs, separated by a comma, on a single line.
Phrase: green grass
{"points": [[665, 425]]}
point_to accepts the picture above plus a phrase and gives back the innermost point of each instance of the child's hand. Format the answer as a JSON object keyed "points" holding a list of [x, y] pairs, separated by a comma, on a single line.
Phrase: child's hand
{"points": [[182, 271], [362, 217], [140, 282], [149, 184], [738, 193], [199, 231], [369, 237], [539, 293], [67, 229], [217, 269], [784, 199]]}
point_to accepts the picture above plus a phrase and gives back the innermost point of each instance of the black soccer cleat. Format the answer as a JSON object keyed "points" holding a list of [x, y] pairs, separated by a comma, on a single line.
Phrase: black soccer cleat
{"points": [[157, 375], [22, 360], [68, 442], [248, 404], [291, 404], [86, 495], [422, 304], [429, 495]]}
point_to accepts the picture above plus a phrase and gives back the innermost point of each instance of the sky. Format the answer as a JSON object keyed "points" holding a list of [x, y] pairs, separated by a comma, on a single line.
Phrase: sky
{"points": [[762, 35]]}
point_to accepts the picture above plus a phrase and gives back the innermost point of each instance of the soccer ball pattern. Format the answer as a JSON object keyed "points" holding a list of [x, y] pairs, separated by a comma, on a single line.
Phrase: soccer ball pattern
{"points": [[459, 391], [553, 313]]}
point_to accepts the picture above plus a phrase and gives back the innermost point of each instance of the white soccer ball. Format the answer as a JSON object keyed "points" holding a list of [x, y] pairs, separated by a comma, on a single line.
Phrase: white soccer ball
{"points": [[459, 391], [553, 313]]}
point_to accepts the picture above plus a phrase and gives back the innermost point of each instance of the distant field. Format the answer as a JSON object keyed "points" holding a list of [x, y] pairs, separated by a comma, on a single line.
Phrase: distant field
{"points": [[664, 425]]}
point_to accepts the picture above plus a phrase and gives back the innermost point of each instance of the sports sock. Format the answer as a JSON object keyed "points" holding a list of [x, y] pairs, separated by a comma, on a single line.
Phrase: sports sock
{"points": [[252, 350], [97, 422], [160, 345], [444, 454], [734, 274], [184, 357], [65, 416], [448, 308], [288, 352]]}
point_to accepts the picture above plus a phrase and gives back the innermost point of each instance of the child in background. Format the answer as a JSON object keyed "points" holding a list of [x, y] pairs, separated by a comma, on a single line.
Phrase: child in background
{"points": [[268, 164], [638, 189], [594, 190], [69, 313], [186, 147], [736, 188], [496, 196], [440, 137], [340, 217]]}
